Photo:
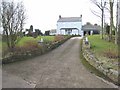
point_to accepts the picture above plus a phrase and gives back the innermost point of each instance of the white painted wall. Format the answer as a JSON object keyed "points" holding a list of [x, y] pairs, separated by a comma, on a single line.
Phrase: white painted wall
{"points": [[75, 32], [62, 32], [77, 25]]}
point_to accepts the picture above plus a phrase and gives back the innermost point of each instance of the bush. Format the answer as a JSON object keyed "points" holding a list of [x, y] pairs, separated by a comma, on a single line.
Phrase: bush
{"points": [[113, 32], [32, 49], [111, 54], [58, 38], [29, 46], [29, 50]]}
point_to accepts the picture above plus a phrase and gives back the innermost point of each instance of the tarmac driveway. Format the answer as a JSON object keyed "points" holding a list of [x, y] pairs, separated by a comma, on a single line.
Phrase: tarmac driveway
{"points": [[60, 68]]}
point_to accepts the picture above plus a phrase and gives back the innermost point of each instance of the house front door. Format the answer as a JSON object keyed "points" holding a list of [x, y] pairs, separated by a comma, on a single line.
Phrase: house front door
{"points": [[68, 32]]}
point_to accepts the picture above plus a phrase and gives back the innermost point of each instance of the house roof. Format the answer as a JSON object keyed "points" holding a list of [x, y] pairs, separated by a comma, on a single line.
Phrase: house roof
{"points": [[89, 26], [69, 19]]}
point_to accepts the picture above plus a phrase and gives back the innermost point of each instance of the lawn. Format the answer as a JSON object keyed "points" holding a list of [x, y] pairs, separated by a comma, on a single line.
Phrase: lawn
{"points": [[31, 39], [24, 40], [105, 51], [100, 46], [48, 38]]}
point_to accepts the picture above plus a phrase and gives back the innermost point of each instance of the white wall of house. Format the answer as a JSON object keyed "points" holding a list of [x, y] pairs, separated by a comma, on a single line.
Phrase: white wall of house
{"points": [[75, 31], [77, 25], [62, 32]]}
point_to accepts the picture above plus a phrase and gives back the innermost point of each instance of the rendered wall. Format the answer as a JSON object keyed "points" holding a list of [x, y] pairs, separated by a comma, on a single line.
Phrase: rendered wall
{"points": [[77, 25]]}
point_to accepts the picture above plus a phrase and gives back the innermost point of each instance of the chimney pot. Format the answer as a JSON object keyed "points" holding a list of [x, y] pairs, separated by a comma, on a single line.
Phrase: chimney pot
{"points": [[59, 16], [81, 15]]}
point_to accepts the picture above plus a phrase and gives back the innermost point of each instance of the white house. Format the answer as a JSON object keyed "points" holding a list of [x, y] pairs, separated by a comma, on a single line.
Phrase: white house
{"points": [[69, 25]]}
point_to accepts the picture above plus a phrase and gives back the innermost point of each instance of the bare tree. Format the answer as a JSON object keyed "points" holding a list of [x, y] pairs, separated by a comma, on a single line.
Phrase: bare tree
{"points": [[117, 22], [111, 2], [13, 18], [101, 6]]}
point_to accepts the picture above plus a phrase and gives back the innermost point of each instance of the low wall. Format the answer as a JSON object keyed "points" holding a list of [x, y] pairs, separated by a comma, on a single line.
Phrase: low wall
{"points": [[30, 54], [95, 62]]}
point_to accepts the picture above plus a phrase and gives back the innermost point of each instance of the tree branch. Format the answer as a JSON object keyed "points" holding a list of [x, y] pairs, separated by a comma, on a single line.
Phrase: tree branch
{"points": [[97, 4], [96, 13]]}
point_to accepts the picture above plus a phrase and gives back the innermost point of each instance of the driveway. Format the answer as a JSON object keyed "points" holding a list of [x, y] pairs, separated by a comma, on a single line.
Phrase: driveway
{"points": [[60, 68]]}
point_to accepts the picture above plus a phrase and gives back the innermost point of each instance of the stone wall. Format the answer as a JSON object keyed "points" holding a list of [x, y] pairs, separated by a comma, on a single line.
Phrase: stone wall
{"points": [[31, 54], [95, 62]]}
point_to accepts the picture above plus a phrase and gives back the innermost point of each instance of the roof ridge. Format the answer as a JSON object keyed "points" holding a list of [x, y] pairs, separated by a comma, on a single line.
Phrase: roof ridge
{"points": [[70, 17]]}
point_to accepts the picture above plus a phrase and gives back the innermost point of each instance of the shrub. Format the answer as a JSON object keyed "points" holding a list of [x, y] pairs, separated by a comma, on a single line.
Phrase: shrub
{"points": [[58, 38], [32, 48], [111, 54], [29, 46]]}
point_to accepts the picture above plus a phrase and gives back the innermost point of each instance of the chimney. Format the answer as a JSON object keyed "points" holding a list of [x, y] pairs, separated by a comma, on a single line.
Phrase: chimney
{"points": [[59, 16], [95, 24], [81, 15]]}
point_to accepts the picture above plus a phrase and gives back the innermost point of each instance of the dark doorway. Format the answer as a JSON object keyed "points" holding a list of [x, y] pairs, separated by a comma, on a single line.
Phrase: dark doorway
{"points": [[86, 32]]}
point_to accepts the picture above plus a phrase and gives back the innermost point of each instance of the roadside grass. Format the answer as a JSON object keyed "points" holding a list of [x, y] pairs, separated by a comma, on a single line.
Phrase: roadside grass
{"points": [[0, 42], [106, 52], [3, 45], [91, 68], [4, 48], [102, 47], [0, 49]]}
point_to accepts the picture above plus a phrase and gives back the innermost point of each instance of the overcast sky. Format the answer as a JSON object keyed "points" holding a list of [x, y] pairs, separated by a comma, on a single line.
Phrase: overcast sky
{"points": [[43, 14]]}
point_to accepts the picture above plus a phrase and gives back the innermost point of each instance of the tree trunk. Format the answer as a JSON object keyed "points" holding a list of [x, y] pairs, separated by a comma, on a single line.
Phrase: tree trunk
{"points": [[116, 30], [116, 36], [102, 23], [111, 20], [118, 39]]}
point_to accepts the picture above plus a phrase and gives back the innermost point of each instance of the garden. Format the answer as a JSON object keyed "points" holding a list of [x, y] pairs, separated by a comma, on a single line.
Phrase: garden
{"points": [[106, 51], [29, 47], [102, 56]]}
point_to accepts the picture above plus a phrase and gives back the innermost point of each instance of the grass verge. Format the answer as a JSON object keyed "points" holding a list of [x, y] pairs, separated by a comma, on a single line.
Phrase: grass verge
{"points": [[91, 68], [31, 50], [103, 48]]}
